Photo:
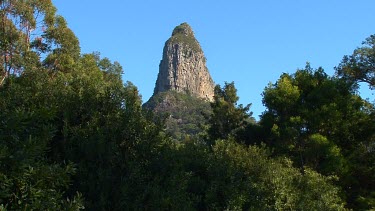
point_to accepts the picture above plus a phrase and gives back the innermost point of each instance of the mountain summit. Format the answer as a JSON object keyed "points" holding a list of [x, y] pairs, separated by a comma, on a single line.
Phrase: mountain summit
{"points": [[183, 66]]}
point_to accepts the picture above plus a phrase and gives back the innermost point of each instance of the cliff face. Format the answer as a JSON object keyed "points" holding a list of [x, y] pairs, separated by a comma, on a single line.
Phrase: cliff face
{"points": [[183, 66]]}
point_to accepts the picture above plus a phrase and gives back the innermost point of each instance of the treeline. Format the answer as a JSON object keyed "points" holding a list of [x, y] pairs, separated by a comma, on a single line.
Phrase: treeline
{"points": [[74, 136]]}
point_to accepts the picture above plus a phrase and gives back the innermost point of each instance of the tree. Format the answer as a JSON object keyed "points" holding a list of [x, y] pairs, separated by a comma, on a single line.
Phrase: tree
{"points": [[227, 117], [360, 66], [320, 123], [30, 179], [251, 180], [30, 31], [302, 111], [63, 46]]}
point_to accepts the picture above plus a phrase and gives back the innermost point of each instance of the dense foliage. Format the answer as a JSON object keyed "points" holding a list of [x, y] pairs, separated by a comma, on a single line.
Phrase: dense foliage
{"points": [[185, 115], [228, 119], [74, 136], [319, 122]]}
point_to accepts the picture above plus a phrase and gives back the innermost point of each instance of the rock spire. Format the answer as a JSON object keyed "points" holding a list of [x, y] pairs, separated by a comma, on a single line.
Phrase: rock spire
{"points": [[183, 66]]}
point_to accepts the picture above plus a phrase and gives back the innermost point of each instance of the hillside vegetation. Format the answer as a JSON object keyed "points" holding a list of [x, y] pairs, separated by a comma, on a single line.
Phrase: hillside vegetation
{"points": [[185, 115]]}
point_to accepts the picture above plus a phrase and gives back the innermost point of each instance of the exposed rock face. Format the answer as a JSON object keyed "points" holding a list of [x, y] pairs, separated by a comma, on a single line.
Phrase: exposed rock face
{"points": [[183, 67]]}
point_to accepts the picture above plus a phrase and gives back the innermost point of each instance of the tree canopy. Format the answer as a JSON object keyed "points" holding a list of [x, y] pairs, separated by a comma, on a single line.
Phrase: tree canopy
{"points": [[360, 66], [320, 123]]}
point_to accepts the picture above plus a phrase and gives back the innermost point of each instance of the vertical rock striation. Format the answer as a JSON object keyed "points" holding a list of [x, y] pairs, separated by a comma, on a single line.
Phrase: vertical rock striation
{"points": [[183, 66]]}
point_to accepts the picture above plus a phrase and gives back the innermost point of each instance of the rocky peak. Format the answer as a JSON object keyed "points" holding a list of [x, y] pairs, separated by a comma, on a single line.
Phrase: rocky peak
{"points": [[183, 66], [184, 29]]}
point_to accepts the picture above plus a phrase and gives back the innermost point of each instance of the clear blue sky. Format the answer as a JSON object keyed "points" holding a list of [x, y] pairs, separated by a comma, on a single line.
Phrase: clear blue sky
{"points": [[249, 42]]}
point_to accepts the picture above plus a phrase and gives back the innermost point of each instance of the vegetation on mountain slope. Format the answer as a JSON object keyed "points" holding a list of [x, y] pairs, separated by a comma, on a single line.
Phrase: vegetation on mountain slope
{"points": [[185, 115]]}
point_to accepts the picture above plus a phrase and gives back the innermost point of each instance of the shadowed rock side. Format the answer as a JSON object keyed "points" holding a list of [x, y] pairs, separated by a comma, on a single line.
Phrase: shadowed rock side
{"points": [[183, 66]]}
